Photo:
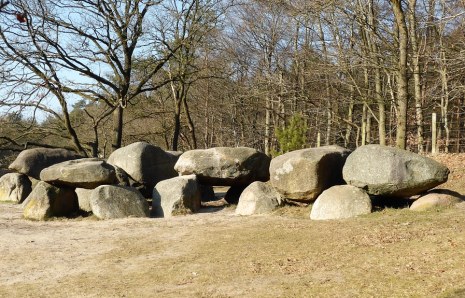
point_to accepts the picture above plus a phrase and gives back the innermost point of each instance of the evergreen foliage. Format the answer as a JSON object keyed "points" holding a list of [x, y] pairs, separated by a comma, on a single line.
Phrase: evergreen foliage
{"points": [[293, 136]]}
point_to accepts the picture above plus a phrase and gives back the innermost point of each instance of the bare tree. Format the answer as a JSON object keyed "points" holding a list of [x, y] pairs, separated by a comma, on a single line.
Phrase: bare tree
{"points": [[83, 49]]}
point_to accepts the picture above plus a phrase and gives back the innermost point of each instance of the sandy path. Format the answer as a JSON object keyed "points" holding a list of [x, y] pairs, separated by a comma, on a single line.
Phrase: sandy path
{"points": [[38, 257], [396, 253]]}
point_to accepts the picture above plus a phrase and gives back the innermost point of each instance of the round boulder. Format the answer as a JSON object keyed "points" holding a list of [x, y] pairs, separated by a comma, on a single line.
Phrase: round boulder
{"points": [[302, 175], [392, 172], [83, 173], [341, 201], [32, 161], [111, 201], [436, 198], [224, 166], [258, 198], [14, 187]]}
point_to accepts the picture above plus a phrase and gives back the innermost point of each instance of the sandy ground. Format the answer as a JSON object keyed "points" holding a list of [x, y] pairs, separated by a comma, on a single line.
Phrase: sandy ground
{"points": [[391, 253]]}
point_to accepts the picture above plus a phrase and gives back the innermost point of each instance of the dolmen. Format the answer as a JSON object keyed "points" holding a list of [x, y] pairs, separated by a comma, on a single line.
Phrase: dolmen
{"points": [[375, 171], [343, 184], [199, 170], [58, 182], [339, 183]]}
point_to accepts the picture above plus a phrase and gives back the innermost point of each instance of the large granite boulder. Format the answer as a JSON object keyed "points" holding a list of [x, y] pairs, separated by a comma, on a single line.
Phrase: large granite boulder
{"points": [[302, 175], [83, 196], [145, 163], [46, 201], [224, 166], [341, 201], [436, 198], [32, 161], [111, 201], [14, 187], [83, 173], [392, 172], [258, 198], [176, 196]]}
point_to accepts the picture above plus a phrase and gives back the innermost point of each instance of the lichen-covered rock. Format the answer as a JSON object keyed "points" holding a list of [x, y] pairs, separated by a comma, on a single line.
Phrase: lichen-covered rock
{"points": [[32, 161], [224, 166], [303, 174], [392, 172], [111, 201], [341, 201], [436, 198], [14, 187], [179, 195], [145, 163], [258, 198], [83, 173], [46, 201]]}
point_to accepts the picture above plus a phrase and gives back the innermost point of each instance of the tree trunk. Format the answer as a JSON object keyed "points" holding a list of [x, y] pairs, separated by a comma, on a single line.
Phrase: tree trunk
{"points": [[267, 126], [364, 123], [375, 53], [177, 125], [349, 118], [402, 79], [416, 74], [117, 128], [329, 112], [190, 122]]}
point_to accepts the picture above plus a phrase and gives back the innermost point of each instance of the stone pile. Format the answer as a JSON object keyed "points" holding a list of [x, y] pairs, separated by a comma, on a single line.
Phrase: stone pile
{"points": [[340, 183], [69, 183], [379, 172]]}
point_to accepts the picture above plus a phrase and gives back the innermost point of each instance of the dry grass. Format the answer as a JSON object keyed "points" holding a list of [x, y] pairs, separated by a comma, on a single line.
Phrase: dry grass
{"points": [[391, 253]]}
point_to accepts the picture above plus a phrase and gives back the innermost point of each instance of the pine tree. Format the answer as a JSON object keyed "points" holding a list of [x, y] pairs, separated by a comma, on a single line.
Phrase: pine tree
{"points": [[293, 136]]}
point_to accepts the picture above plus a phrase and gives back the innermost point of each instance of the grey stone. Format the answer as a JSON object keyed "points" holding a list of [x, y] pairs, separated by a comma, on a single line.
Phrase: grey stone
{"points": [[341, 201], [258, 198], [34, 181], [175, 196], [83, 196], [46, 201], [145, 163], [32, 161], [14, 187], [111, 201], [436, 198], [302, 175], [83, 173], [392, 172], [224, 166]]}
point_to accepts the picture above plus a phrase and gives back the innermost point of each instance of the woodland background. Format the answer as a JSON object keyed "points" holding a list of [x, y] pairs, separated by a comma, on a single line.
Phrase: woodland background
{"points": [[274, 75]]}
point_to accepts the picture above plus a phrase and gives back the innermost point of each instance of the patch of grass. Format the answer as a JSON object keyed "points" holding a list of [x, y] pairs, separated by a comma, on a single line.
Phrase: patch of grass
{"points": [[8, 202], [293, 211]]}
